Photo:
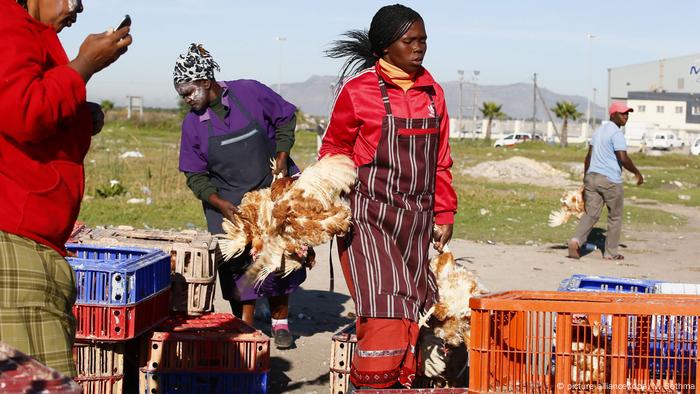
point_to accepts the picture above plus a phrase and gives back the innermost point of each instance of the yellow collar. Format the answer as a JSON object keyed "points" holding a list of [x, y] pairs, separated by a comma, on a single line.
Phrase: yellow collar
{"points": [[397, 75]]}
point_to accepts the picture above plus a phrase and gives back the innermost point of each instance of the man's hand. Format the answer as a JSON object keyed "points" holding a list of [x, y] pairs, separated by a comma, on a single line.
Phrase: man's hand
{"points": [[640, 178], [442, 234], [98, 117], [281, 164], [226, 207]]}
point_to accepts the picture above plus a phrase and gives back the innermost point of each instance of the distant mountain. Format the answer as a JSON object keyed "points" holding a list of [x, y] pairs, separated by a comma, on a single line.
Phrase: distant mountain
{"points": [[314, 97]]}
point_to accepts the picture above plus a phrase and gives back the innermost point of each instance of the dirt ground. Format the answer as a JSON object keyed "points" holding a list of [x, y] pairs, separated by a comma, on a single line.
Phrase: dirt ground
{"points": [[316, 314]]}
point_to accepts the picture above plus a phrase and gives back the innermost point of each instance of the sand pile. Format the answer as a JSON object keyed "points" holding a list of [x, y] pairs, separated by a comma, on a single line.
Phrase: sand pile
{"points": [[520, 170]]}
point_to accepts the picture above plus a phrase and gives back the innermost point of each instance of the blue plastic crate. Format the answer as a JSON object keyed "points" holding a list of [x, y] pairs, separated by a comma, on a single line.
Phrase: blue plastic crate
{"points": [[610, 284], [668, 338], [202, 383], [118, 275]]}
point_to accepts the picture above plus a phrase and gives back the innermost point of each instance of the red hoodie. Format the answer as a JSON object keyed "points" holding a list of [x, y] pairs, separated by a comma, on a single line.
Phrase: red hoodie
{"points": [[45, 131]]}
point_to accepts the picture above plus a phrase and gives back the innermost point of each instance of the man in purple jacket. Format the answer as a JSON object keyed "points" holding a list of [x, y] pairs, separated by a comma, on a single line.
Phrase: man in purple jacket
{"points": [[228, 139]]}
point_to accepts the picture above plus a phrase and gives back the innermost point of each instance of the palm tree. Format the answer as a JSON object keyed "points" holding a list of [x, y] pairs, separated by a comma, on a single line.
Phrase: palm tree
{"points": [[107, 106], [566, 110], [491, 110]]}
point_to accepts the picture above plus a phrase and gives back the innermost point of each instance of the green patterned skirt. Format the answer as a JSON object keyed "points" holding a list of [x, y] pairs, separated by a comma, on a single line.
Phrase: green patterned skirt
{"points": [[37, 293]]}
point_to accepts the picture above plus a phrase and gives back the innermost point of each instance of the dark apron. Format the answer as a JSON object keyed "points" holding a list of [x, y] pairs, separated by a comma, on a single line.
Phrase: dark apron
{"points": [[239, 162], [392, 206]]}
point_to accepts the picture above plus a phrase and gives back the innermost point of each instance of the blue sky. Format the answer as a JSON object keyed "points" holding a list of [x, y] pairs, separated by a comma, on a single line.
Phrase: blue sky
{"points": [[506, 40]]}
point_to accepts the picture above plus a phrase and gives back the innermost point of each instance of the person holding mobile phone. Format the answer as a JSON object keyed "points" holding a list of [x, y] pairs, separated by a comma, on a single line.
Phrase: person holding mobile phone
{"points": [[45, 133]]}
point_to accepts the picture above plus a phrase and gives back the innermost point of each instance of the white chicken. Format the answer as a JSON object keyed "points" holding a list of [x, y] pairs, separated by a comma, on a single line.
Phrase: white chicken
{"points": [[281, 222], [456, 285], [572, 204]]}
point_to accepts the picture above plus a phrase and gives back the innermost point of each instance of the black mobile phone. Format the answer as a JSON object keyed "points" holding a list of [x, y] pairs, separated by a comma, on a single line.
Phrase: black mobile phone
{"points": [[125, 22]]}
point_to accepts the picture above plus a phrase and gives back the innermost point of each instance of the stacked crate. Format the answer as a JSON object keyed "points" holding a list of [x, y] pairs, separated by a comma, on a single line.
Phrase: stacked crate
{"points": [[21, 374], [342, 350], [194, 260], [121, 293], [211, 353]]}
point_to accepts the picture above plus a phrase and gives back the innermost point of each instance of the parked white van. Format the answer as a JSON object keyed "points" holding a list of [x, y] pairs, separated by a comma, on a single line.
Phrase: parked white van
{"points": [[695, 148], [666, 141]]}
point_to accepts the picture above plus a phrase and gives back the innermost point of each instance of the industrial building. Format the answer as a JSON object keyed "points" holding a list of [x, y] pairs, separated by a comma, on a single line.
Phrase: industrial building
{"points": [[665, 95]]}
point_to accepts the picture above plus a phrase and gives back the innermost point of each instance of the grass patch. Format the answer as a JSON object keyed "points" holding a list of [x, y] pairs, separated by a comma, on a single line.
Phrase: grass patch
{"points": [[504, 213]]}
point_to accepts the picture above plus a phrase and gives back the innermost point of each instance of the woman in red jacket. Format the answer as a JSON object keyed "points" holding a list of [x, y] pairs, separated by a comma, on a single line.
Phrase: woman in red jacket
{"points": [[45, 132], [390, 118]]}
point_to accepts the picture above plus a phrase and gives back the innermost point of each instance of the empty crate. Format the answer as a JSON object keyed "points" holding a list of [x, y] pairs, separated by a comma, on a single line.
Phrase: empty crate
{"points": [[342, 350], [583, 283], [209, 343], [202, 383], [118, 323], [193, 263], [118, 275]]}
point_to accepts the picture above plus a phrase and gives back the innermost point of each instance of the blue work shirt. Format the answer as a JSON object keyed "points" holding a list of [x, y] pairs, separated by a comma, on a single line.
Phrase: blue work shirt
{"points": [[606, 140], [268, 108]]}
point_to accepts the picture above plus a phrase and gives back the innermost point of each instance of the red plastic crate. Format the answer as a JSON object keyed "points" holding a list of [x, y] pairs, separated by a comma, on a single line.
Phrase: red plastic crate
{"points": [[20, 373], [119, 323], [216, 342], [102, 384]]}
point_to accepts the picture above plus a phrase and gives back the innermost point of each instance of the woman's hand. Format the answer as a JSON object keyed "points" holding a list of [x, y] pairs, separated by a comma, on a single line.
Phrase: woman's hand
{"points": [[442, 234], [100, 50]]}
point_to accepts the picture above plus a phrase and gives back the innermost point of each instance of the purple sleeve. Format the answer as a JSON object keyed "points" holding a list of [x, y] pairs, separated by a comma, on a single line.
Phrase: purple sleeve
{"points": [[276, 110], [192, 155]]}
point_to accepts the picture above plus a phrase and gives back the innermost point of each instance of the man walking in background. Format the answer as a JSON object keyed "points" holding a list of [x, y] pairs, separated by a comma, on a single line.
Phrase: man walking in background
{"points": [[607, 154]]}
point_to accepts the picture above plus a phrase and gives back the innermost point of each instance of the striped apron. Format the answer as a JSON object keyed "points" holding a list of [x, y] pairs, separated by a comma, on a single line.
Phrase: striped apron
{"points": [[385, 256]]}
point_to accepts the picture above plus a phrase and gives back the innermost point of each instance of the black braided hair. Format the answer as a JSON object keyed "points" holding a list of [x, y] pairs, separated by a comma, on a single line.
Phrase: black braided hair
{"points": [[363, 48]]}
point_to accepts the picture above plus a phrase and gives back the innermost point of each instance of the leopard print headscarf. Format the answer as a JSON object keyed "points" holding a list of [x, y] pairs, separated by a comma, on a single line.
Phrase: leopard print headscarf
{"points": [[195, 65]]}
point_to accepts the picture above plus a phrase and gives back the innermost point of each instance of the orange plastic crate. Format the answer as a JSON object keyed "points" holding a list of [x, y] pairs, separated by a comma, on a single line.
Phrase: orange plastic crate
{"points": [[554, 342]]}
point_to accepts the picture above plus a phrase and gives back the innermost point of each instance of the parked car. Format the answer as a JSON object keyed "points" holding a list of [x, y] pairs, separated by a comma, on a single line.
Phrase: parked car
{"points": [[512, 139], [695, 148], [666, 141]]}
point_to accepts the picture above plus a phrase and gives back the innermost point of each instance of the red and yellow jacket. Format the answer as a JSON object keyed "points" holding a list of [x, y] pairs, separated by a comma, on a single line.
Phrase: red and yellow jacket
{"points": [[355, 125], [45, 131]]}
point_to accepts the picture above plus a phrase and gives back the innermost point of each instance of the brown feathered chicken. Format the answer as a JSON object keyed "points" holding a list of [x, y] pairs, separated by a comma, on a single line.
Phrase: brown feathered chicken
{"points": [[589, 362], [281, 222], [456, 285], [571, 205]]}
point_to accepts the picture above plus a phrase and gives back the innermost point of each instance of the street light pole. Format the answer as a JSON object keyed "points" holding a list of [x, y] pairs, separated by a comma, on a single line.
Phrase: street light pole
{"points": [[475, 79], [459, 123], [590, 80], [279, 80]]}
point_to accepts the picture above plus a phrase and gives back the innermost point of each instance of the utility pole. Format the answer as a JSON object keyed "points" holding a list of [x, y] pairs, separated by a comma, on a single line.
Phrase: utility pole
{"points": [[279, 81], [475, 78], [534, 105], [459, 123], [590, 79], [595, 91]]}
